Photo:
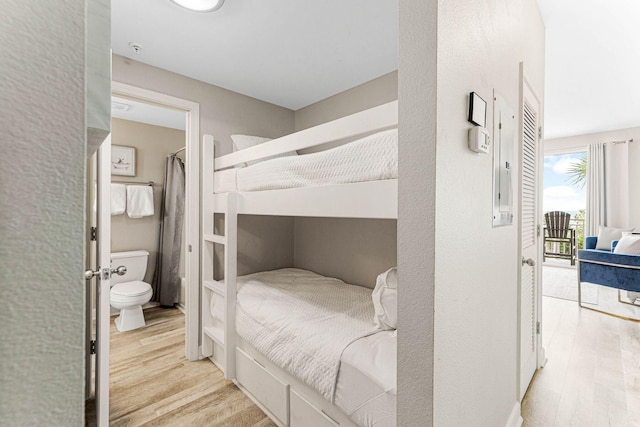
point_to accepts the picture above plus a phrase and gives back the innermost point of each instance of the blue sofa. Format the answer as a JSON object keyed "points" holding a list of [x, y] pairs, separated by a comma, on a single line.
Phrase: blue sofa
{"points": [[602, 267]]}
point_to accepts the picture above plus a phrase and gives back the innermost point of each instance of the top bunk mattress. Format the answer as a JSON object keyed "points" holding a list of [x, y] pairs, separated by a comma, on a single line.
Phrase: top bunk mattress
{"points": [[372, 158]]}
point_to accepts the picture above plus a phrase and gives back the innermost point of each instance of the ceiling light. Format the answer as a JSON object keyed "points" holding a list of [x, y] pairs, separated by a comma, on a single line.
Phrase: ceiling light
{"points": [[200, 5]]}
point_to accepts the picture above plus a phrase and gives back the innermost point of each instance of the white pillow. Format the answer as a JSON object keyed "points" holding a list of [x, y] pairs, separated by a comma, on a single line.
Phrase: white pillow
{"points": [[628, 244], [385, 300], [241, 142], [607, 235]]}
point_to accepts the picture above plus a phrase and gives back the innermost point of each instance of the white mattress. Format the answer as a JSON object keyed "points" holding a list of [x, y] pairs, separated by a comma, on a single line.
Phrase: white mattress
{"points": [[366, 388], [372, 158], [273, 313]]}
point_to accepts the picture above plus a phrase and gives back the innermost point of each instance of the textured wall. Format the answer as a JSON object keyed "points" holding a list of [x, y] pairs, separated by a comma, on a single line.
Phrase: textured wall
{"points": [[416, 210], [480, 47], [42, 136]]}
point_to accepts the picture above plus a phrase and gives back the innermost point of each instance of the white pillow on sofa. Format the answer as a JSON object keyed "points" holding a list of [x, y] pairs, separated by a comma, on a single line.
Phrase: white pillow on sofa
{"points": [[385, 300], [241, 142], [608, 234], [628, 244]]}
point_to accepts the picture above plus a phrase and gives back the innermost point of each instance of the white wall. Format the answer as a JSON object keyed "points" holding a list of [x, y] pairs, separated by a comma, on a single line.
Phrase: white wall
{"points": [[222, 112], [42, 135], [631, 193], [480, 45]]}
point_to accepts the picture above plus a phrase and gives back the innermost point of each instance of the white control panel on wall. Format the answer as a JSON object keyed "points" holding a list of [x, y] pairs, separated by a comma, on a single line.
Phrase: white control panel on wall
{"points": [[479, 139]]}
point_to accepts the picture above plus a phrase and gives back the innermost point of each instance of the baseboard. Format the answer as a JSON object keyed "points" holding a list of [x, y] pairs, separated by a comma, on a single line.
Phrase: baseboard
{"points": [[182, 308], [515, 419]]}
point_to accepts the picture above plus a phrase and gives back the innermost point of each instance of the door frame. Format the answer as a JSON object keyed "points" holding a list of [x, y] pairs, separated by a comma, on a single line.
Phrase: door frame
{"points": [[192, 203], [540, 351]]}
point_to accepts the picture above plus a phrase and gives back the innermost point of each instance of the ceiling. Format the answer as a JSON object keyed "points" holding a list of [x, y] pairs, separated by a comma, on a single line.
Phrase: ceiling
{"points": [[293, 53], [290, 53], [592, 63]]}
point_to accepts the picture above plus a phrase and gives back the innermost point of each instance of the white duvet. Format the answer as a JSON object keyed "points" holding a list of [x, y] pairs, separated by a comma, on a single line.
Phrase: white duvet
{"points": [[372, 158], [284, 315]]}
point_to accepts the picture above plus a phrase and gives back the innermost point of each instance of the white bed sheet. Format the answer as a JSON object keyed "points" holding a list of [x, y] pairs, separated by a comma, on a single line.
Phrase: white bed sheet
{"points": [[365, 385], [372, 158], [366, 388]]}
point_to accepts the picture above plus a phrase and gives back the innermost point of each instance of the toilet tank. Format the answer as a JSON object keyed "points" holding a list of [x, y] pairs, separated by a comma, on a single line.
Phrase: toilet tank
{"points": [[136, 263]]}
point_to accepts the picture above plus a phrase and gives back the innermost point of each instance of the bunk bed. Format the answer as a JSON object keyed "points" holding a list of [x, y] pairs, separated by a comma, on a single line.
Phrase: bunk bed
{"points": [[348, 380]]}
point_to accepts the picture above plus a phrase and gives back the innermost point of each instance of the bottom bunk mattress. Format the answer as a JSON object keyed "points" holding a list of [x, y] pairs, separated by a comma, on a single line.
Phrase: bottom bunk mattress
{"points": [[321, 330]]}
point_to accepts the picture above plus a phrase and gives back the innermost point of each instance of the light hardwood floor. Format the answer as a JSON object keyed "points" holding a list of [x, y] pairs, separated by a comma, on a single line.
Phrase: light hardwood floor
{"points": [[153, 384], [592, 377]]}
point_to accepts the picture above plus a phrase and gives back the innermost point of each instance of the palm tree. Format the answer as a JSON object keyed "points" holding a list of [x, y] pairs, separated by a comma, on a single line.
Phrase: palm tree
{"points": [[577, 172]]}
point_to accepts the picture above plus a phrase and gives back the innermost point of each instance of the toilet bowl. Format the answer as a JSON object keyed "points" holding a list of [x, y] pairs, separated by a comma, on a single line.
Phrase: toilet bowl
{"points": [[128, 292]]}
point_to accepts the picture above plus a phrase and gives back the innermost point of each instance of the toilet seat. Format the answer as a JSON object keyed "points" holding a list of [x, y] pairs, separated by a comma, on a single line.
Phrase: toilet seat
{"points": [[130, 289]]}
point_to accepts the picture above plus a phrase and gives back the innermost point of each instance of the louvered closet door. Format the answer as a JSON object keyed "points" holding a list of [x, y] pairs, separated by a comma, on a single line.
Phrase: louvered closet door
{"points": [[529, 215]]}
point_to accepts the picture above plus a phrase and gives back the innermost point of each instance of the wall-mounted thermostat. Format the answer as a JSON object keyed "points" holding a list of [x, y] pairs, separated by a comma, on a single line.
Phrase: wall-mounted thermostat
{"points": [[479, 139]]}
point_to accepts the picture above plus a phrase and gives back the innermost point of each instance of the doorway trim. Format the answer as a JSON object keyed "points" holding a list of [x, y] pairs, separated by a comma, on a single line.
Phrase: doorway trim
{"points": [[192, 203]]}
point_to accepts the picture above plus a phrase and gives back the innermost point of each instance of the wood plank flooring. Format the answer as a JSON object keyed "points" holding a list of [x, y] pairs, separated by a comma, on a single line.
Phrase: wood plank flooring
{"points": [[153, 384], [592, 377]]}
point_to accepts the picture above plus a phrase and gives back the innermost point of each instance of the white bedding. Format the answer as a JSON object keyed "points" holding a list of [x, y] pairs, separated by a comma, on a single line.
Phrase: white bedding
{"points": [[366, 388], [303, 322], [372, 158], [288, 311]]}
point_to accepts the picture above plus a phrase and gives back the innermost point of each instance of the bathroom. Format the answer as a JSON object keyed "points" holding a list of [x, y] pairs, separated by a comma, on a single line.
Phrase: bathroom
{"points": [[146, 135]]}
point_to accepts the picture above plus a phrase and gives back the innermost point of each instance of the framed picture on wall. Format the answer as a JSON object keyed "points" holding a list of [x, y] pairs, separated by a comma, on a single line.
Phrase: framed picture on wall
{"points": [[123, 160]]}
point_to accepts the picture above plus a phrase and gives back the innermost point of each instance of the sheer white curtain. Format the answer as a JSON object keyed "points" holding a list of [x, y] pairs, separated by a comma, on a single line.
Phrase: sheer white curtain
{"points": [[607, 187], [596, 212], [617, 184]]}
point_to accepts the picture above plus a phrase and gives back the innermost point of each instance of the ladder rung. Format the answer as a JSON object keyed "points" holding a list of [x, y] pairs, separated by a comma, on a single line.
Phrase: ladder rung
{"points": [[215, 238]]}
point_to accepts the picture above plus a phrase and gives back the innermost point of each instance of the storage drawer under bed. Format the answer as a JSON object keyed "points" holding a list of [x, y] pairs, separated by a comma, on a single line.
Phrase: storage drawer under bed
{"points": [[272, 393], [304, 414]]}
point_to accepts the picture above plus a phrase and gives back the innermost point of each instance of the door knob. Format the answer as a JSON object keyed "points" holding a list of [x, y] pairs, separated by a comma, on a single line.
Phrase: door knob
{"points": [[90, 274], [120, 271], [528, 261]]}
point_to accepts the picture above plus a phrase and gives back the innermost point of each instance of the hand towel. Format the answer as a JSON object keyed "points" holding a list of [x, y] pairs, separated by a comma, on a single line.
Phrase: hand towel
{"points": [[139, 201], [118, 199]]}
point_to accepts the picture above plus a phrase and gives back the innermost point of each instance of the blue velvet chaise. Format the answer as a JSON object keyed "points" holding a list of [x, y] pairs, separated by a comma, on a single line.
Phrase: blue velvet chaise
{"points": [[603, 267]]}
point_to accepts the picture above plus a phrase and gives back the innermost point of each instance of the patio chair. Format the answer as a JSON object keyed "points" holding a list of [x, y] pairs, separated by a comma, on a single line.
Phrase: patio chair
{"points": [[557, 231]]}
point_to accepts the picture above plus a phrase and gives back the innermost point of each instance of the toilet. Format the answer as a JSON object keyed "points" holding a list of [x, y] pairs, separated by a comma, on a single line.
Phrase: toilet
{"points": [[129, 292]]}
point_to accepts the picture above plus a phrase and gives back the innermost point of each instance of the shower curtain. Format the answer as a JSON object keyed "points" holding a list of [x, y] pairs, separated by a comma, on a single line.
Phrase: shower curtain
{"points": [[166, 278]]}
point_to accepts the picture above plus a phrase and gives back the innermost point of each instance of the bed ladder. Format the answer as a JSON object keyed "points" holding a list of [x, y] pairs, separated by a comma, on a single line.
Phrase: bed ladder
{"points": [[218, 296]]}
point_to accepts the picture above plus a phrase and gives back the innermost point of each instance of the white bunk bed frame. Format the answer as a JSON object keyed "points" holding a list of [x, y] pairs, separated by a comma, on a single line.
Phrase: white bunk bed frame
{"points": [[287, 400]]}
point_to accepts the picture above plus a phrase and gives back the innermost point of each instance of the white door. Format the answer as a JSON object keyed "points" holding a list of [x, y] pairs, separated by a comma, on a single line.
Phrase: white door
{"points": [[98, 289], [529, 234]]}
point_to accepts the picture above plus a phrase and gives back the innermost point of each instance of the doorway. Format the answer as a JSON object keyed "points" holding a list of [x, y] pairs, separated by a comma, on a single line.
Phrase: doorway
{"points": [[564, 191], [192, 201], [127, 97]]}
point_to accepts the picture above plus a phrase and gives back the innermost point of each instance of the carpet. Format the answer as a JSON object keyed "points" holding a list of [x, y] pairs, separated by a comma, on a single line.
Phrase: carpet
{"points": [[562, 283]]}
